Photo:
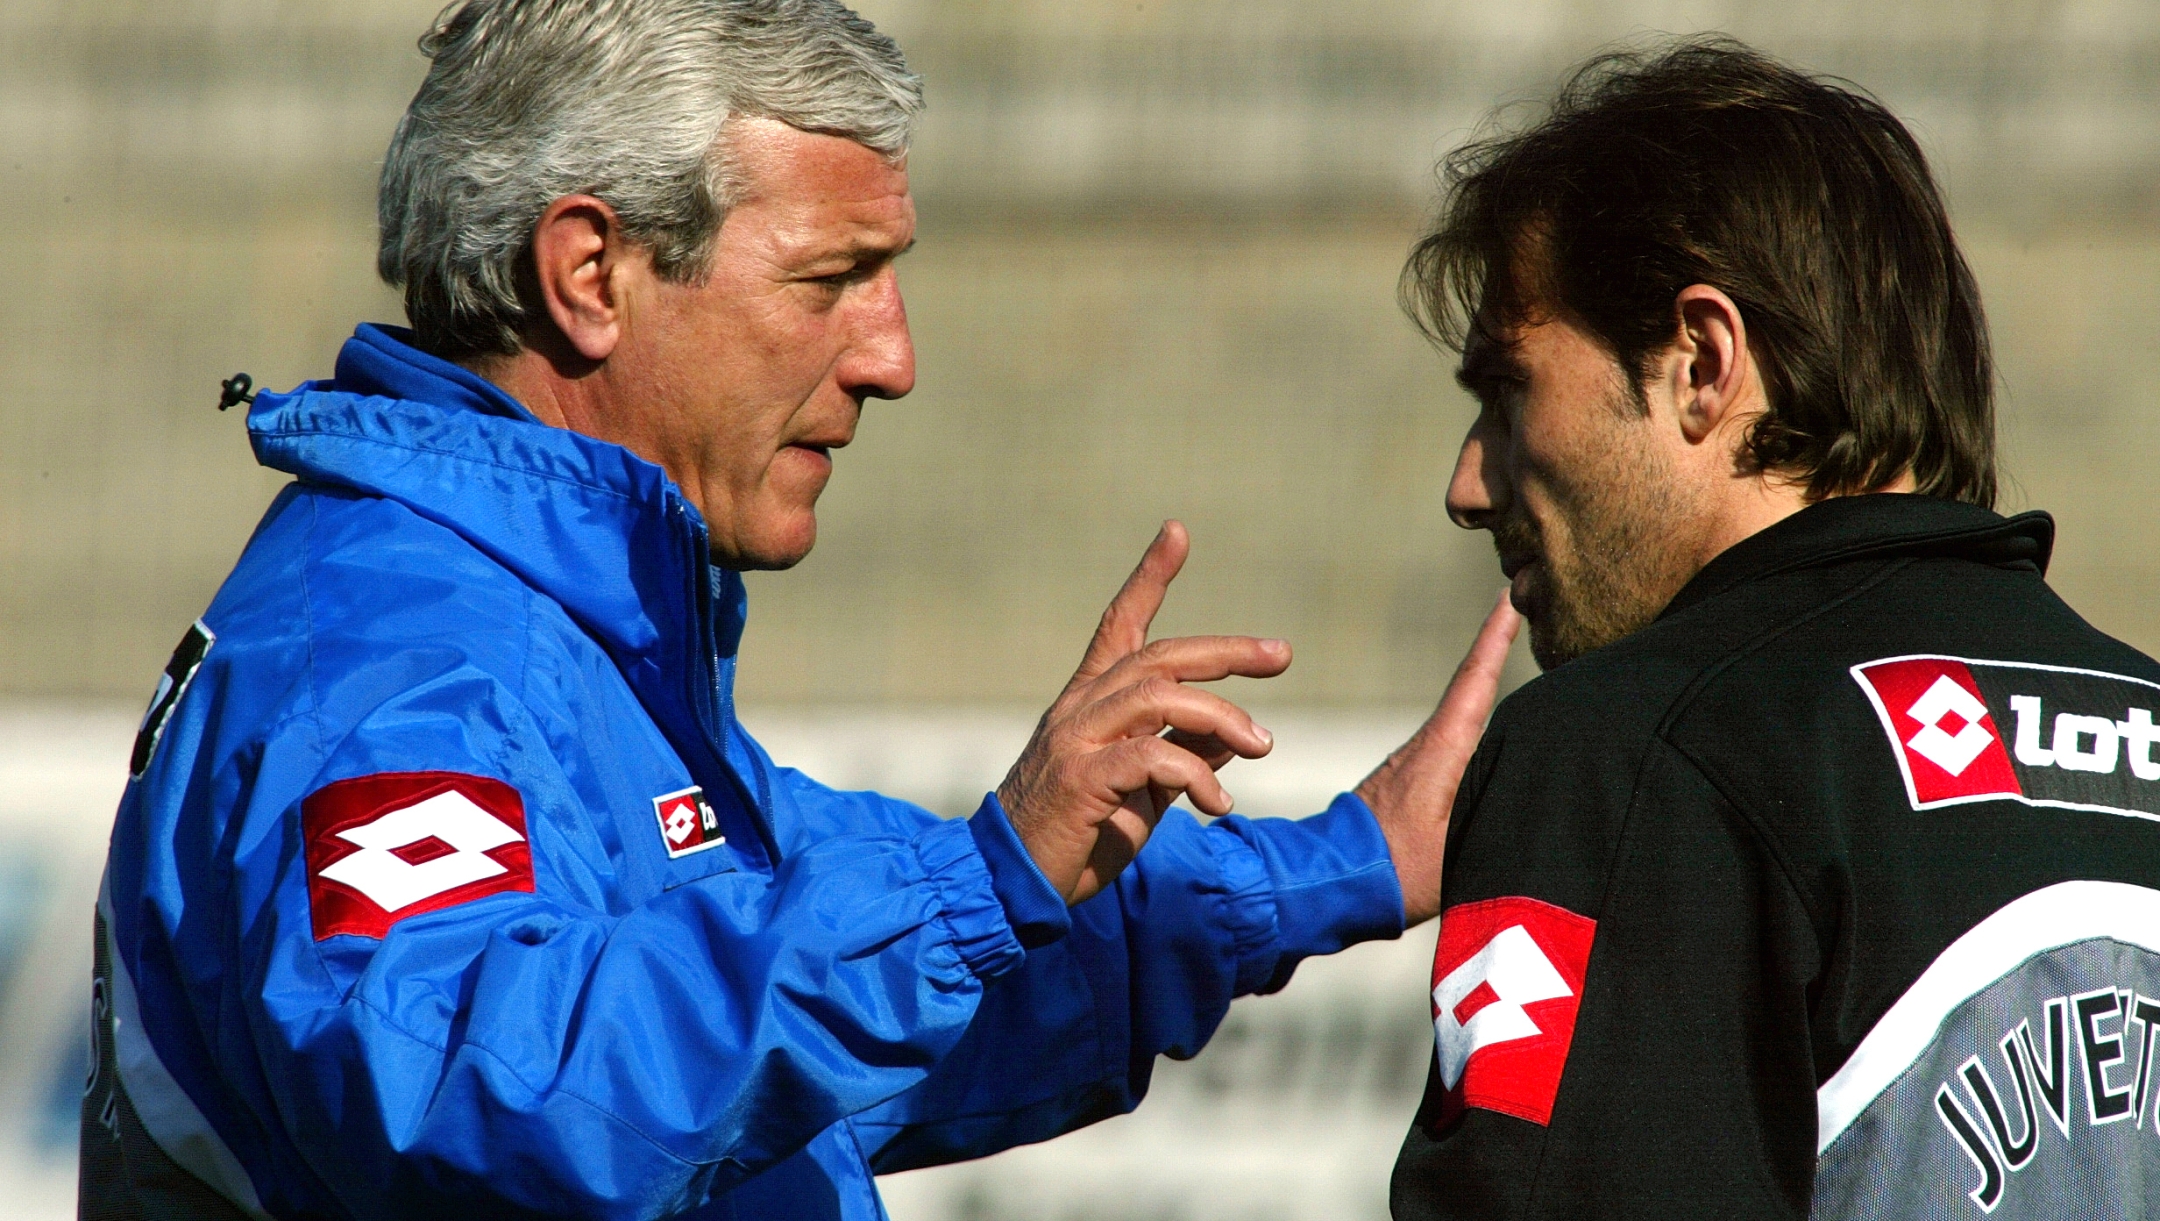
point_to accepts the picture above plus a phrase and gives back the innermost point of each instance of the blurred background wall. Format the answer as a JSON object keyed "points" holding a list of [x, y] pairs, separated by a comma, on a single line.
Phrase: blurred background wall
{"points": [[1159, 247], [1156, 278]]}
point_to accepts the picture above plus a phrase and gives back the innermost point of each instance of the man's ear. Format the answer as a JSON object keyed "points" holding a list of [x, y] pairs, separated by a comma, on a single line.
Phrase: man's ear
{"points": [[1712, 368], [579, 257]]}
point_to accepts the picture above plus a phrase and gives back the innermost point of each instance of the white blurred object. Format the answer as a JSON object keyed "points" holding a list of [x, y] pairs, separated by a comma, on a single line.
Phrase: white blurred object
{"points": [[1295, 1109], [62, 770]]}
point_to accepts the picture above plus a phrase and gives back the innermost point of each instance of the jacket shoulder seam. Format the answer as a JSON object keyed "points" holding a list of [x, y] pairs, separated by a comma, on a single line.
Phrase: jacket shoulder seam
{"points": [[525, 653], [313, 712], [1654, 745], [1758, 827], [307, 617], [1714, 671], [1655, 750]]}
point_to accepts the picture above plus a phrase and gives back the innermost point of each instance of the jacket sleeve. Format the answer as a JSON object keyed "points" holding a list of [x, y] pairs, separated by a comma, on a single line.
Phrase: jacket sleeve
{"points": [[1668, 1072], [1203, 915], [544, 1052]]}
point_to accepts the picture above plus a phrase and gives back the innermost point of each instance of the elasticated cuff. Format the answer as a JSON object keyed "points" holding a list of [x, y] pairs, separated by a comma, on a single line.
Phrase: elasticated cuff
{"points": [[1033, 907], [982, 936], [1332, 882], [1247, 900]]}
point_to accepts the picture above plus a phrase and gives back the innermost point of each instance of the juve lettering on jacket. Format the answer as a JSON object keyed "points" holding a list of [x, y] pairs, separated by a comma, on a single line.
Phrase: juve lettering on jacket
{"points": [[449, 883], [1835, 892]]}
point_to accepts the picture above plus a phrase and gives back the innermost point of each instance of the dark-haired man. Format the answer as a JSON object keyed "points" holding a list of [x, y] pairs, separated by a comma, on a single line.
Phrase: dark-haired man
{"points": [[1816, 875]]}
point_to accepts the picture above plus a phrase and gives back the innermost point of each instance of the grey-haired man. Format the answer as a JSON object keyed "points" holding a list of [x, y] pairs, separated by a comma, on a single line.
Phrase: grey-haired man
{"points": [[449, 882]]}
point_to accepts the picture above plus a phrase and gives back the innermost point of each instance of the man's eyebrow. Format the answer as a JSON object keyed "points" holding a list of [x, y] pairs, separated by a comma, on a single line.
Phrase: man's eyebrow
{"points": [[1484, 362], [871, 252], [859, 256]]}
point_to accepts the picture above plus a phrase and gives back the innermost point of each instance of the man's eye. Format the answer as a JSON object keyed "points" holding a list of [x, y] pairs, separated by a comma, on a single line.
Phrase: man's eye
{"points": [[1500, 396], [838, 279]]}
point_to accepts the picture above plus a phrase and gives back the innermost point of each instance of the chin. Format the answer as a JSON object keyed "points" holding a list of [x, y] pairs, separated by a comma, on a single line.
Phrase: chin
{"points": [[1548, 654], [769, 550]]}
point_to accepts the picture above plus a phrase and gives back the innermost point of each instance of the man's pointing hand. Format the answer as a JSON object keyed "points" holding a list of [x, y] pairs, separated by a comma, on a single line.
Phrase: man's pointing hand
{"points": [[1100, 771], [1412, 795]]}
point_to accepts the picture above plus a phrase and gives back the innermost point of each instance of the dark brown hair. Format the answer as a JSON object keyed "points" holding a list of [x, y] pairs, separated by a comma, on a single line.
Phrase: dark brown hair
{"points": [[1806, 202]]}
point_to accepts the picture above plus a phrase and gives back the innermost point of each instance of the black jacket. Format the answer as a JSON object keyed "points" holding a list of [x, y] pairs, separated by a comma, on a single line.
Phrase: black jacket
{"points": [[1831, 889]]}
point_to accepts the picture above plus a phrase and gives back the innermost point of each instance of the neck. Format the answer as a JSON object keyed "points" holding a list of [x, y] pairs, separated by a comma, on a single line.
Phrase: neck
{"points": [[590, 397], [533, 380], [1750, 503]]}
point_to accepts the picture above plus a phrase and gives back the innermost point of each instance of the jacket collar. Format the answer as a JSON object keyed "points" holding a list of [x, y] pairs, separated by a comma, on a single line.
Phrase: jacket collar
{"points": [[384, 361], [1854, 527], [604, 533]]}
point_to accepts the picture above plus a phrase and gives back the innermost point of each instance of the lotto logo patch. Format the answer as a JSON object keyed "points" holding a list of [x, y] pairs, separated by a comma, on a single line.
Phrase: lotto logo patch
{"points": [[687, 823], [1966, 730], [1507, 982], [384, 847]]}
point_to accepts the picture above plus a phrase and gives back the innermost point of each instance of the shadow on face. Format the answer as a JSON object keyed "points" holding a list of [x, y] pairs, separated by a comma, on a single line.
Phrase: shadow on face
{"points": [[1565, 468]]}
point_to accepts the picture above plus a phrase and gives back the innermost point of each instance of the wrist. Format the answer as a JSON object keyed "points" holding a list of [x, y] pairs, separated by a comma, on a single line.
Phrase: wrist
{"points": [[1033, 904], [1416, 847]]}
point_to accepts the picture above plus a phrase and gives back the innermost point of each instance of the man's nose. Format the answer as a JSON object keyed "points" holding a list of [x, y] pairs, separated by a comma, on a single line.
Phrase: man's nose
{"points": [[1475, 493], [880, 360]]}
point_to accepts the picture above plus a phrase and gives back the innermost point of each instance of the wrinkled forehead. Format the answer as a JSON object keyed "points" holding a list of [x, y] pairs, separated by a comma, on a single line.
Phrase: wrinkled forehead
{"points": [[810, 189]]}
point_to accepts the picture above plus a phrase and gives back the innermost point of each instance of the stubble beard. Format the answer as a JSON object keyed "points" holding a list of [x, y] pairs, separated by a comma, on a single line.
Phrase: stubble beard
{"points": [[1621, 560]]}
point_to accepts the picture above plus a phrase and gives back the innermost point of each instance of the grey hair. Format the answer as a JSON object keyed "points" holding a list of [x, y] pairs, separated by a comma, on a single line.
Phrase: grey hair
{"points": [[531, 100]]}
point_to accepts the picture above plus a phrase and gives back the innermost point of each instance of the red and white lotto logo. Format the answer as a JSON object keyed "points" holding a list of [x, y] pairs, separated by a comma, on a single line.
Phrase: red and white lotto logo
{"points": [[1507, 982], [687, 824], [1948, 744], [384, 847]]}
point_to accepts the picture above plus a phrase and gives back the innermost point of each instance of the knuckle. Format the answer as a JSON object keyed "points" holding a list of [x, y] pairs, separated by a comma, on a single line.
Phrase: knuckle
{"points": [[1156, 689], [1187, 767]]}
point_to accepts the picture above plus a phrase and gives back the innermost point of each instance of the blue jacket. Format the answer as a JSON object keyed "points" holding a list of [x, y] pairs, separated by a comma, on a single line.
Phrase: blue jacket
{"points": [[451, 885]]}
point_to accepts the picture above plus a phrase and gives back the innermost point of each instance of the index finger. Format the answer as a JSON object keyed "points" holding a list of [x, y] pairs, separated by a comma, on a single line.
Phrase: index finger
{"points": [[1468, 704], [1125, 622], [1203, 659]]}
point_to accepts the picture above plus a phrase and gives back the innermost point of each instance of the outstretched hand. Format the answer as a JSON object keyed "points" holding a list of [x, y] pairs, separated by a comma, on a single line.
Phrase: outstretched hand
{"points": [[1413, 793], [1100, 771]]}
